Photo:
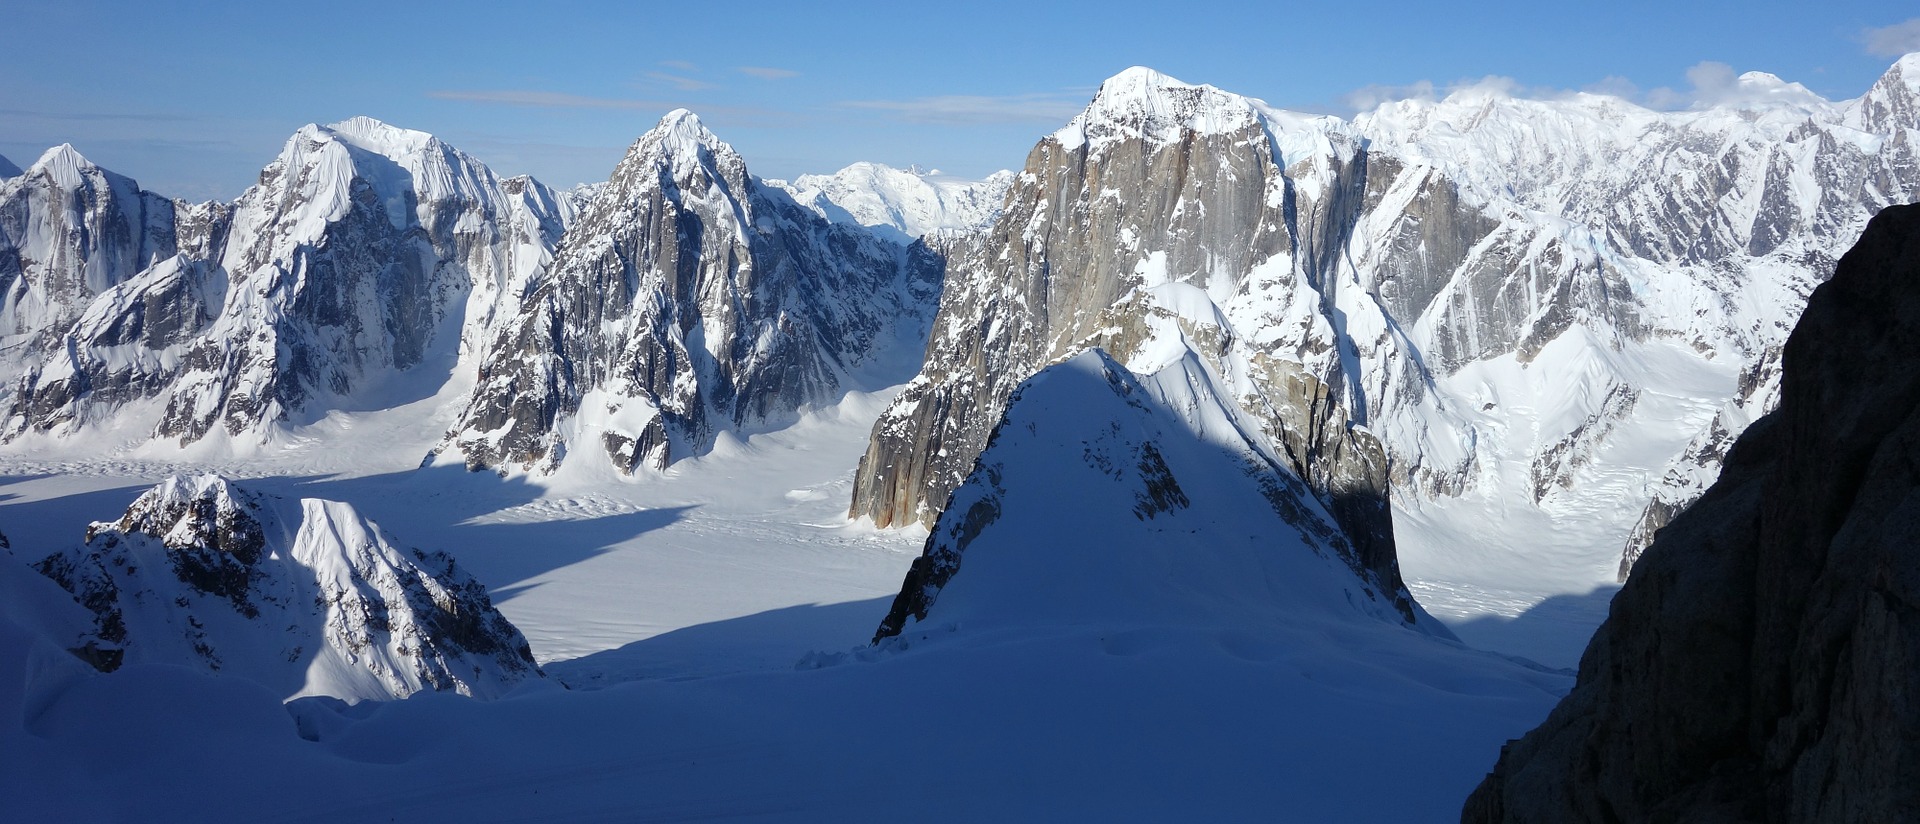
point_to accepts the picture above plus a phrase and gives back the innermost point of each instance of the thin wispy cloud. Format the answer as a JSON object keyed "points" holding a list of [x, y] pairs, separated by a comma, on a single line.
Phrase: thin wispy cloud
{"points": [[767, 73], [1893, 41], [540, 99], [681, 82], [681, 65], [961, 109]]}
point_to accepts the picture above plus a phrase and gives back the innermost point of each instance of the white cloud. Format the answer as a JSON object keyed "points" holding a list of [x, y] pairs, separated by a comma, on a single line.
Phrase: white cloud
{"points": [[767, 73], [681, 82], [1895, 40], [977, 109], [681, 65]]}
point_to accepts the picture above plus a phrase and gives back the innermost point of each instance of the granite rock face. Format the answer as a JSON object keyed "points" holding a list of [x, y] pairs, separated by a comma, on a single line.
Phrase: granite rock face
{"points": [[1411, 300], [687, 298], [1759, 665]]}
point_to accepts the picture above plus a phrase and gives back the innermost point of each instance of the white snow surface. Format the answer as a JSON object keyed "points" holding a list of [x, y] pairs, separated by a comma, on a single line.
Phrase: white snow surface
{"points": [[900, 205], [711, 620]]}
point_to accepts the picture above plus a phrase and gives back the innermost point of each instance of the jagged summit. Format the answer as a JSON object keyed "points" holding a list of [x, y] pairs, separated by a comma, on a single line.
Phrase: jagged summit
{"points": [[1893, 103], [1143, 103]]}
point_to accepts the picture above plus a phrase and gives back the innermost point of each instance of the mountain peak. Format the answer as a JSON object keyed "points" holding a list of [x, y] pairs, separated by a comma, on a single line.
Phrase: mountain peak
{"points": [[7, 169], [379, 137], [681, 131], [1143, 103], [65, 164]]}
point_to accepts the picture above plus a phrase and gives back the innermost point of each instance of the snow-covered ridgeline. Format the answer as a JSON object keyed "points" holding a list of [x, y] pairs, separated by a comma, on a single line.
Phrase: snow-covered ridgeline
{"points": [[900, 205], [304, 597], [359, 272]]}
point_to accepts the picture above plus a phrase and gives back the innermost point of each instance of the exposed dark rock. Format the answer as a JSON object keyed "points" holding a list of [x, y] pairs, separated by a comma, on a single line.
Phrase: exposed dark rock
{"points": [[1761, 662]]}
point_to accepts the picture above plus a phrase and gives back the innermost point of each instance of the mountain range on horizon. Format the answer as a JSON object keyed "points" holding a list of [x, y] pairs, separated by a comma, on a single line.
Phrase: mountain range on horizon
{"points": [[1206, 405], [1414, 303]]}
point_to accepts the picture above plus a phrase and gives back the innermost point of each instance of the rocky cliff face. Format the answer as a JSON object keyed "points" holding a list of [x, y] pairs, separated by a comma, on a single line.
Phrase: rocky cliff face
{"points": [[1159, 201], [306, 597], [687, 298], [1417, 298], [70, 230], [1113, 499], [347, 276], [1759, 664]]}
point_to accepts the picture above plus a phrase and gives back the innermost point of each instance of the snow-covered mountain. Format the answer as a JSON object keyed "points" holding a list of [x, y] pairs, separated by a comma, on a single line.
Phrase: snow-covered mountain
{"points": [[1517, 300], [305, 597], [1758, 665], [360, 272], [69, 231], [1107, 498], [686, 299], [900, 205]]}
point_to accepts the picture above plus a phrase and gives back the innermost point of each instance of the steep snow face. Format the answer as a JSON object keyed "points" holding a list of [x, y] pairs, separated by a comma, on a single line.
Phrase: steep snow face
{"points": [[361, 271], [70, 230], [307, 597], [1522, 301], [1108, 499], [686, 299], [900, 205]]}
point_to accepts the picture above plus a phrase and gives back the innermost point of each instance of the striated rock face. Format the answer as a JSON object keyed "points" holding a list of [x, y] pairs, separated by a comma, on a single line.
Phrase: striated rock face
{"points": [[347, 276], [687, 298], [1415, 299], [70, 230], [305, 597], [1759, 664], [1106, 498]]}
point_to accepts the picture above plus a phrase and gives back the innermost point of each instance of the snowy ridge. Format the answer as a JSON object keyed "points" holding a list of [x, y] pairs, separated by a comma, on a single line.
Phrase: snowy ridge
{"points": [[687, 299], [1140, 103], [897, 204], [70, 230], [1106, 498], [305, 598], [361, 271]]}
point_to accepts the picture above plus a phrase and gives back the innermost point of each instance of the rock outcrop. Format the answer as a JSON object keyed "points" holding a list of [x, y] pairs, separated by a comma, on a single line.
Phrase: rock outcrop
{"points": [[1759, 665], [306, 597], [687, 298]]}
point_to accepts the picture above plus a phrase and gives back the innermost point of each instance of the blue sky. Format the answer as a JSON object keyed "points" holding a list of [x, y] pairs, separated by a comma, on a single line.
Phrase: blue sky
{"points": [[193, 98]]}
